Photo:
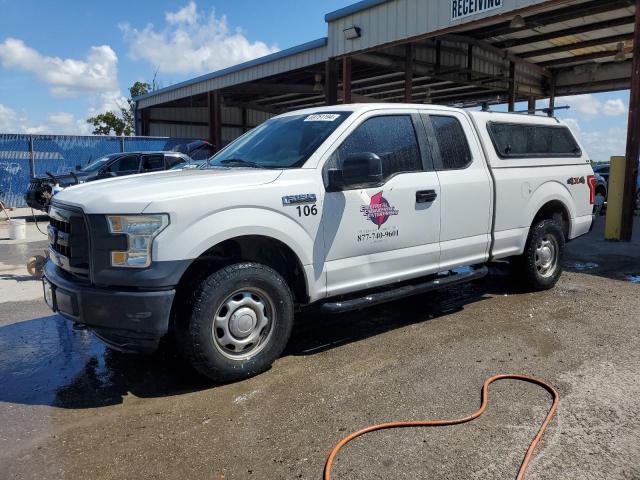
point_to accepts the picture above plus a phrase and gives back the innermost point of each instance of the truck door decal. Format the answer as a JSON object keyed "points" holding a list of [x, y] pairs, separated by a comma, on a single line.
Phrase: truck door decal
{"points": [[379, 210]]}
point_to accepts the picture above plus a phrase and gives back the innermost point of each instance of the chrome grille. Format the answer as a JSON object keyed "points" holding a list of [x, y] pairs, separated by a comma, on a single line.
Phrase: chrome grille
{"points": [[68, 240]]}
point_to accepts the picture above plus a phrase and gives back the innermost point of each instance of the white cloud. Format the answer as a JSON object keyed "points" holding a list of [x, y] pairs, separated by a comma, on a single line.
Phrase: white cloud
{"points": [[614, 107], [188, 14], [600, 145], [8, 119], [61, 118], [67, 77], [60, 123], [192, 42], [591, 106]]}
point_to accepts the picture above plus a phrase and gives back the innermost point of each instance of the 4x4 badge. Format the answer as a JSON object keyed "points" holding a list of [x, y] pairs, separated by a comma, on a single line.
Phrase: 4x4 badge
{"points": [[575, 180]]}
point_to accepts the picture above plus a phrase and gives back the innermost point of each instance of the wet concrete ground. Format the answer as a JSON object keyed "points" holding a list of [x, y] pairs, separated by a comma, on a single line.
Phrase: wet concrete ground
{"points": [[71, 408]]}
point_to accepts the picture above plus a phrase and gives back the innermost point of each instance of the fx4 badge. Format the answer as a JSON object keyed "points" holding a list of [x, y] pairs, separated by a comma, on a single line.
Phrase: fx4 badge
{"points": [[576, 180], [378, 210]]}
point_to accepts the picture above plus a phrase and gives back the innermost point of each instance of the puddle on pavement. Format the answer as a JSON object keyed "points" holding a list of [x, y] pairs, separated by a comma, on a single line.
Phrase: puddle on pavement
{"points": [[45, 361], [580, 266]]}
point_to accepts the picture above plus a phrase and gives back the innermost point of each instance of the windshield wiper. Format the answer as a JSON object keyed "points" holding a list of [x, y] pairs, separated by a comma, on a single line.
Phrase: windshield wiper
{"points": [[241, 161]]}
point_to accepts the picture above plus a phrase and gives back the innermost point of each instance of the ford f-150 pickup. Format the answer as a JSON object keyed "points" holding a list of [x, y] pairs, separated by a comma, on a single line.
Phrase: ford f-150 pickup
{"points": [[342, 206]]}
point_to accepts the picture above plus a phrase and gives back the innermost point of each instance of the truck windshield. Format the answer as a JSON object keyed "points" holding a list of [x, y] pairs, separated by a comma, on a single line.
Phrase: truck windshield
{"points": [[284, 142], [96, 164]]}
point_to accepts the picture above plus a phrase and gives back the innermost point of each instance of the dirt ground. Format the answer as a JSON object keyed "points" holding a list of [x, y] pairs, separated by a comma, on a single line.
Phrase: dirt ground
{"points": [[71, 408]]}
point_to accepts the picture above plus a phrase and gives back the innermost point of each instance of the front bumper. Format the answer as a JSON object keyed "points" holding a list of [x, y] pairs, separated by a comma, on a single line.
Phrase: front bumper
{"points": [[128, 320]]}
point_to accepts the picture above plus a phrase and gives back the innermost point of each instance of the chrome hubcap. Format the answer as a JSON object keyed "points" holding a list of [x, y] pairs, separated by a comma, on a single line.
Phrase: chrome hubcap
{"points": [[243, 325], [546, 256]]}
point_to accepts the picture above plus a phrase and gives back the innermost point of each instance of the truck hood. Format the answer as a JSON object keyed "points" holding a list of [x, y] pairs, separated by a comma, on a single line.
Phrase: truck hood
{"points": [[132, 194]]}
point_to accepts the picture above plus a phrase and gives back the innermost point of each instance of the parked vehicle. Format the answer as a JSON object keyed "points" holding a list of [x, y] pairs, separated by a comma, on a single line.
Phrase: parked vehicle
{"points": [[197, 150], [188, 166], [601, 193], [344, 207], [42, 189], [603, 170]]}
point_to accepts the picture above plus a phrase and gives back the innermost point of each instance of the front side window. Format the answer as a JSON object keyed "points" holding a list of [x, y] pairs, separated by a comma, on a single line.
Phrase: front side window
{"points": [[391, 137], [452, 142], [518, 140], [281, 142]]}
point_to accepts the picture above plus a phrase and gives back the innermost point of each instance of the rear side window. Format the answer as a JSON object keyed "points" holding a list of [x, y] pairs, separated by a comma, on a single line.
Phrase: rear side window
{"points": [[172, 161], [391, 137], [518, 140], [152, 163], [452, 142]]}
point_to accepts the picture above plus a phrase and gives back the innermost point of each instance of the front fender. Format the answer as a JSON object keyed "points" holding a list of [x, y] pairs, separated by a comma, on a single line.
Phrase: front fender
{"points": [[193, 240]]}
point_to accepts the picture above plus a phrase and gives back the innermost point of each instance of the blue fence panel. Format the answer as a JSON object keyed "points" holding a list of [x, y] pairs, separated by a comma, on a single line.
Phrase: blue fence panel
{"points": [[140, 144], [59, 154], [14, 168]]}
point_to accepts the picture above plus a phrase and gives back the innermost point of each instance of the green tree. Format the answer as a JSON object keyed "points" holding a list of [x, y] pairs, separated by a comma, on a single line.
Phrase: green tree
{"points": [[110, 123]]}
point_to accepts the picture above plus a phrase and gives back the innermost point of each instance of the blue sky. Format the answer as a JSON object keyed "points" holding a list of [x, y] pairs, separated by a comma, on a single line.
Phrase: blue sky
{"points": [[61, 62]]}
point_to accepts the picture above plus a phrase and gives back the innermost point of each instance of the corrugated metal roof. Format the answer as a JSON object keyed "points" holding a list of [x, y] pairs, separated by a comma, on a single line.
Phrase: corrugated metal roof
{"points": [[320, 42], [350, 9]]}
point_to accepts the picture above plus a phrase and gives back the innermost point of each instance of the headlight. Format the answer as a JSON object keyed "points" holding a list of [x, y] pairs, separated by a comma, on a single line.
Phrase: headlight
{"points": [[140, 231]]}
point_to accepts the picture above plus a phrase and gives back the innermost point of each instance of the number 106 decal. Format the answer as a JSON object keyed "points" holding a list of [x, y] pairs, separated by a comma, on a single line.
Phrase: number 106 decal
{"points": [[307, 210]]}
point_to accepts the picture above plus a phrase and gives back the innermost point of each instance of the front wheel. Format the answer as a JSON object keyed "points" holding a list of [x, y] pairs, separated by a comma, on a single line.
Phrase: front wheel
{"points": [[240, 322], [540, 266]]}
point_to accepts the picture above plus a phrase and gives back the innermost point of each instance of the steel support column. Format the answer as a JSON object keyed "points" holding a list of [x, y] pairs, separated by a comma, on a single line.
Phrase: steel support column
{"points": [[531, 105], [215, 119], [346, 80], [331, 81], [633, 137], [144, 119], [552, 95], [512, 86], [245, 128], [408, 73]]}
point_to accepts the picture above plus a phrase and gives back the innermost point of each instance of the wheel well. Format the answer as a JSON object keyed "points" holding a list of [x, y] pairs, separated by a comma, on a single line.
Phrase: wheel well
{"points": [[554, 210], [251, 248]]}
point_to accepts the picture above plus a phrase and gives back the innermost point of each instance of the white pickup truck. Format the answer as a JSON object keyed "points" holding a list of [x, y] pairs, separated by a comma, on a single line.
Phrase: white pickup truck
{"points": [[341, 206]]}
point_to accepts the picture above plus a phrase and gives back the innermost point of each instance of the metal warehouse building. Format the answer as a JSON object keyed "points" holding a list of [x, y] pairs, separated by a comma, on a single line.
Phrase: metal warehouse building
{"points": [[451, 52]]}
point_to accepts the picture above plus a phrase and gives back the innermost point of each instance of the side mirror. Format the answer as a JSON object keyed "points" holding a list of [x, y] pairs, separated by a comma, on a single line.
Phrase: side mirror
{"points": [[358, 170]]}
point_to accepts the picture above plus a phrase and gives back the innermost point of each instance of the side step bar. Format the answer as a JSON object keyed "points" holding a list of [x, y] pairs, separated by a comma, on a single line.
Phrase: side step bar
{"points": [[437, 283]]}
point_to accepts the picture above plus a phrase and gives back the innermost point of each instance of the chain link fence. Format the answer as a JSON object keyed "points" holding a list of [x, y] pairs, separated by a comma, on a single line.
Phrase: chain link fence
{"points": [[24, 156]]}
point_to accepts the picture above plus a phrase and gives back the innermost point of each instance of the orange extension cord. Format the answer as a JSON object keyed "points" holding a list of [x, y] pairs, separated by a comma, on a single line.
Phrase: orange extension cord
{"points": [[457, 421]]}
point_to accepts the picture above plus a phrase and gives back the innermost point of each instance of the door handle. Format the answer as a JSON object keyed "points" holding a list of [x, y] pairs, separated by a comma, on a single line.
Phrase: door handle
{"points": [[426, 196]]}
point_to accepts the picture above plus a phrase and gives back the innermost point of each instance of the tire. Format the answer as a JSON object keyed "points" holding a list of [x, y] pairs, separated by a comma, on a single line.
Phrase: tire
{"points": [[540, 266], [239, 324]]}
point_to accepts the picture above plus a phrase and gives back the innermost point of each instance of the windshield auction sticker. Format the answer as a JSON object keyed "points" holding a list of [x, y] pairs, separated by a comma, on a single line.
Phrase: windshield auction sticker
{"points": [[322, 117]]}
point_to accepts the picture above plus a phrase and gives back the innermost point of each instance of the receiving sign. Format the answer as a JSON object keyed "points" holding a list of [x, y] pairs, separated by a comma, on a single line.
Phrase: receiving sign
{"points": [[465, 8]]}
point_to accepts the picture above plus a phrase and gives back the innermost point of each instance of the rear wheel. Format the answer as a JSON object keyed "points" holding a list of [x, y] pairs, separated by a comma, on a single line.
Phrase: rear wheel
{"points": [[540, 266], [240, 322]]}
